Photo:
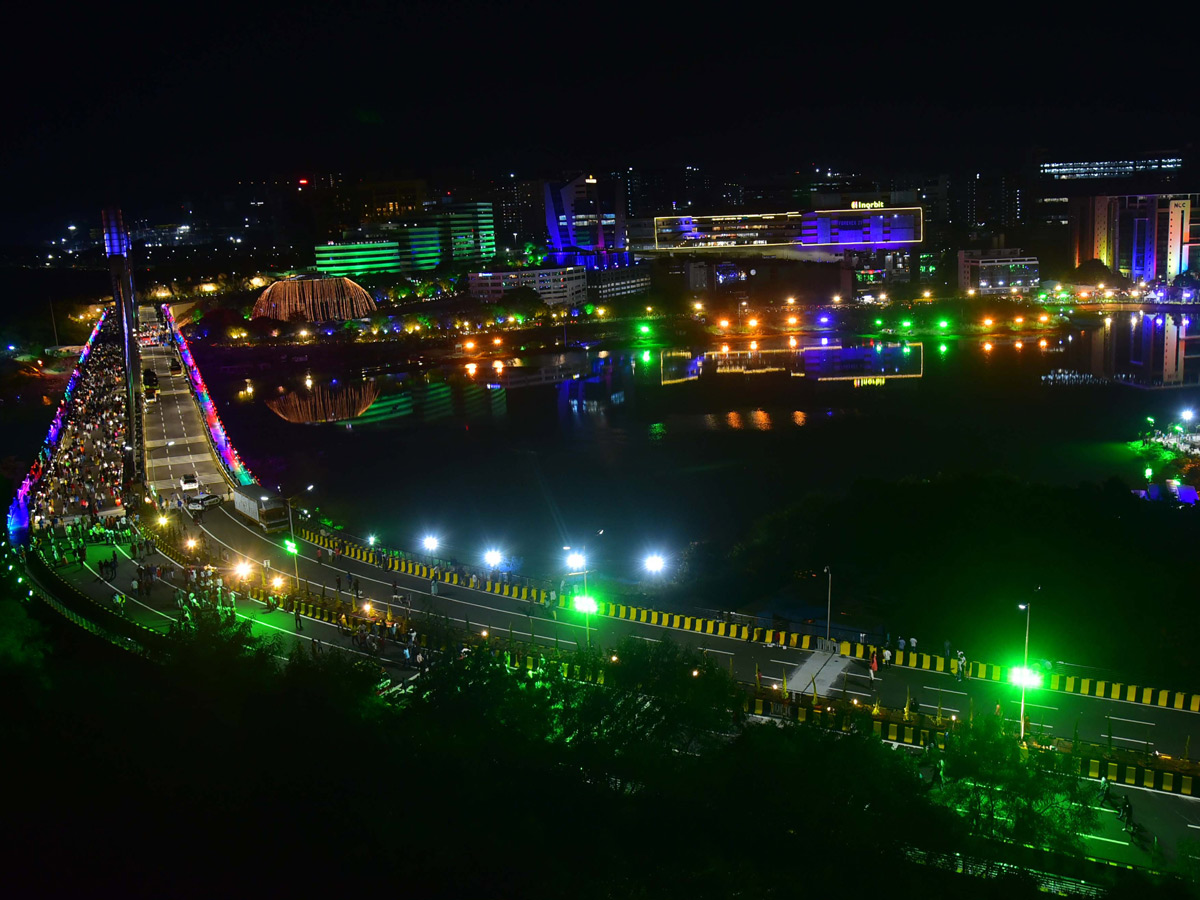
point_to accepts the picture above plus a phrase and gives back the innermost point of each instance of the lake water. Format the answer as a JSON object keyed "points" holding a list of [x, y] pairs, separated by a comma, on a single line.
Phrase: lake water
{"points": [[650, 449]]}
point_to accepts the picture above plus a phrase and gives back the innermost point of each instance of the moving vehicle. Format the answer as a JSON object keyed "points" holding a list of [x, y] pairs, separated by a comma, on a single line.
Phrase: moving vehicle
{"points": [[201, 502], [190, 482], [267, 512], [149, 378], [176, 368]]}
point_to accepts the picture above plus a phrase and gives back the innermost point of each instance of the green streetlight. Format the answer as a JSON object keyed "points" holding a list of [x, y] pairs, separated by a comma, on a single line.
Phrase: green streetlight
{"points": [[1149, 473]]}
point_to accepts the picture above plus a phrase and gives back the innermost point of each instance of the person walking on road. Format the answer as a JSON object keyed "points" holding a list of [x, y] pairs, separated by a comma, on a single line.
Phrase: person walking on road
{"points": [[887, 656], [296, 609], [874, 667]]}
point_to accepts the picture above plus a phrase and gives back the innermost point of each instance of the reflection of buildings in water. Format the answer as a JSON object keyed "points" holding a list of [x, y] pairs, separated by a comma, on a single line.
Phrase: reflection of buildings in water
{"points": [[414, 403], [873, 363], [1145, 348], [319, 404]]}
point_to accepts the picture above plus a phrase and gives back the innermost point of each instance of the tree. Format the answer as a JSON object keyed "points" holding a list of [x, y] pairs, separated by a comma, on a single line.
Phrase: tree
{"points": [[1008, 793], [1096, 272], [523, 302]]}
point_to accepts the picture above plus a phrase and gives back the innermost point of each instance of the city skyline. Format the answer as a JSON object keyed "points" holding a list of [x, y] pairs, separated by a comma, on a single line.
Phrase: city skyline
{"points": [[233, 97]]}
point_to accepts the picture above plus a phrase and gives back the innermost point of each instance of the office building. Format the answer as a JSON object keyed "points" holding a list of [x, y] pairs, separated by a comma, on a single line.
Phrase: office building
{"points": [[605, 284], [1145, 237], [336, 259], [1156, 165], [868, 226], [997, 271], [458, 234], [585, 214], [560, 286]]}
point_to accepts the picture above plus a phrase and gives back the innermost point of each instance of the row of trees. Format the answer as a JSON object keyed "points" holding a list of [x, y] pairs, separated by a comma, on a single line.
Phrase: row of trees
{"points": [[222, 763]]}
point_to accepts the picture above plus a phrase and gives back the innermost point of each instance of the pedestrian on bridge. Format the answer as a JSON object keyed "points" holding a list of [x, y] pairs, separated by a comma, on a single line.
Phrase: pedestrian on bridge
{"points": [[296, 609]]}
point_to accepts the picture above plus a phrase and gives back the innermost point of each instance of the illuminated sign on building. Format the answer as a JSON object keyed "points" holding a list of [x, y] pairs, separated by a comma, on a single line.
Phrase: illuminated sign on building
{"points": [[839, 229], [866, 204]]}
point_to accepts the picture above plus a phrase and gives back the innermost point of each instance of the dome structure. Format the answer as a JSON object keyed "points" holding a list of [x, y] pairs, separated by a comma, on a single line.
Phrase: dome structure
{"points": [[316, 299], [320, 404]]}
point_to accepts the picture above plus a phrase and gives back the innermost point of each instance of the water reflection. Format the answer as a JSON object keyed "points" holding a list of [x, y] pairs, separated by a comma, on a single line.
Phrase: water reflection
{"points": [[868, 363], [317, 403]]}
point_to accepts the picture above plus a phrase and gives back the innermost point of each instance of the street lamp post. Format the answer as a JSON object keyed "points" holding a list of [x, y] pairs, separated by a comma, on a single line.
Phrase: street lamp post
{"points": [[293, 548], [1026, 607], [828, 603]]}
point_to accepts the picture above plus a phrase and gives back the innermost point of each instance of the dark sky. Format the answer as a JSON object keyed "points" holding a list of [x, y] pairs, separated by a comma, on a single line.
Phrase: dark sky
{"points": [[183, 97]]}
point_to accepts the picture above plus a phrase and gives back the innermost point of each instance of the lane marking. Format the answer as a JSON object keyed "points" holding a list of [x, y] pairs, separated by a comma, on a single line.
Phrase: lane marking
{"points": [[944, 690], [1134, 721], [1095, 837]]}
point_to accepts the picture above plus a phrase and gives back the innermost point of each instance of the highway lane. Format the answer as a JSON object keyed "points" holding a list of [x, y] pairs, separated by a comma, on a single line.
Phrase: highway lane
{"points": [[175, 434]]}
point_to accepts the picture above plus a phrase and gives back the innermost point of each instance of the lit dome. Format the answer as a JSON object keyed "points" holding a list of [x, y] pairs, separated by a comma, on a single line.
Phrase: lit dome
{"points": [[316, 299]]}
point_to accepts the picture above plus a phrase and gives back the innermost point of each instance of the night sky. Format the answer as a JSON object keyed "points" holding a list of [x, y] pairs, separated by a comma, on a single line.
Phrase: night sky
{"points": [[185, 97]]}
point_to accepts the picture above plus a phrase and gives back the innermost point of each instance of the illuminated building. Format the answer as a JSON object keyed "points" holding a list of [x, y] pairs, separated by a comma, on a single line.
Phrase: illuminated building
{"points": [[1145, 237], [997, 271], [586, 214], [617, 281], [1112, 168], [448, 232], [565, 285], [358, 259], [810, 233]]}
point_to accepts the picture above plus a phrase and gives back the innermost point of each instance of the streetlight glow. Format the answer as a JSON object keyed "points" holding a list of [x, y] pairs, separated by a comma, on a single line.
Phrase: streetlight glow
{"points": [[576, 561], [430, 543], [1187, 415], [585, 604], [242, 569], [654, 563], [492, 558]]}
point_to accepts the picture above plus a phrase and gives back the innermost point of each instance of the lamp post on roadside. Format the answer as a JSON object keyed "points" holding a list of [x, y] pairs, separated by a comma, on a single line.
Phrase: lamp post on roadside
{"points": [[828, 603], [1026, 607], [291, 546]]}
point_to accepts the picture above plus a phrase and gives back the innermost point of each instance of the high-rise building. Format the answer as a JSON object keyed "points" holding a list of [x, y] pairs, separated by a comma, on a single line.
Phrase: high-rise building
{"points": [[585, 214], [457, 234], [1145, 237], [358, 259], [519, 206]]}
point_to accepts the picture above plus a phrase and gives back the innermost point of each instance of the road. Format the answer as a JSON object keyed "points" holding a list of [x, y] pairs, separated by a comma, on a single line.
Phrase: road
{"points": [[176, 443]]}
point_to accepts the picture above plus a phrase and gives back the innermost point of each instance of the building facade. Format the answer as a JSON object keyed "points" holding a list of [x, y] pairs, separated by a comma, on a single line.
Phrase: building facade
{"points": [[624, 281], [585, 214], [868, 226], [335, 259], [459, 234], [562, 286], [1145, 237], [997, 271]]}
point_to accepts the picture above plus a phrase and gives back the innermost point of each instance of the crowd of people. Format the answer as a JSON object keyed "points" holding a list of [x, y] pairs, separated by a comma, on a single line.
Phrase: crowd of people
{"points": [[84, 478]]}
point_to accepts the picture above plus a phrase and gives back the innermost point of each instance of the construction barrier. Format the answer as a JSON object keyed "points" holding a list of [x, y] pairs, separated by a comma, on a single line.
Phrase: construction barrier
{"points": [[1070, 684]]}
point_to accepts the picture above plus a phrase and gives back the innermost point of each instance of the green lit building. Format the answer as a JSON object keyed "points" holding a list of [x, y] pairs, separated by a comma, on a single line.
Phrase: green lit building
{"points": [[358, 259], [452, 233]]}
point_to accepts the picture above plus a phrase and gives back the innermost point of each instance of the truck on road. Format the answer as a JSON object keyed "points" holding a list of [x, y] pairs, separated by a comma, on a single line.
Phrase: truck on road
{"points": [[267, 512]]}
